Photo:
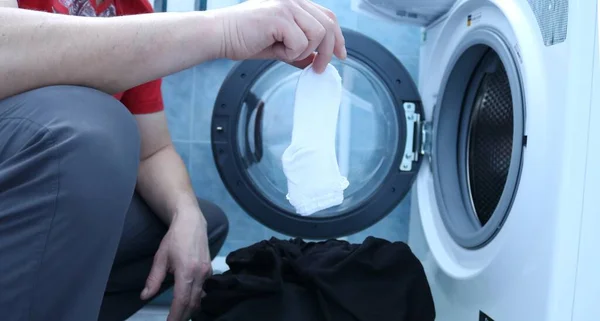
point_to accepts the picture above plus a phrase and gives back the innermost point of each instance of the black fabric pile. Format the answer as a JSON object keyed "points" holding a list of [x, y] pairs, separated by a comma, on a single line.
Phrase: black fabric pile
{"points": [[334, 280]]}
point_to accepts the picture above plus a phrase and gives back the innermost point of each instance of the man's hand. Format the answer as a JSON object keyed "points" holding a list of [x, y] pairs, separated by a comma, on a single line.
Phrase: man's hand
{"points": [[183, 252], [288, 30]]}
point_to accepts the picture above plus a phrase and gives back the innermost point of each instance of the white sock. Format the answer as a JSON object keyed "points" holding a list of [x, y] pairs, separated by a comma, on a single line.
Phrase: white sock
{"points": [[310, 162]]}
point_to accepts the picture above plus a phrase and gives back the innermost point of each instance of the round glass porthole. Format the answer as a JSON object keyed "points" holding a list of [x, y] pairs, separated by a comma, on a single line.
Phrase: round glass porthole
{"points": [[252, 126], [367, 135], [478, 139]]}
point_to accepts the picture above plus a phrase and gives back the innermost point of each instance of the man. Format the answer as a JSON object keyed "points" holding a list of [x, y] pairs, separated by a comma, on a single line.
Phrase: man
{"points": [[97, 215]]}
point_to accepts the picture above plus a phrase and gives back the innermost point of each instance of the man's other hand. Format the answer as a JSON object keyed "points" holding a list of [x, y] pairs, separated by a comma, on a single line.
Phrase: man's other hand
{"points": [[184, 252]]}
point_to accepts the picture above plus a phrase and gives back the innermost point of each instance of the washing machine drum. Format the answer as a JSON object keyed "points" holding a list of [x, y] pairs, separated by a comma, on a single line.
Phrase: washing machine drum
{"points": [[489, 141], [478, 140], [379, 135]]}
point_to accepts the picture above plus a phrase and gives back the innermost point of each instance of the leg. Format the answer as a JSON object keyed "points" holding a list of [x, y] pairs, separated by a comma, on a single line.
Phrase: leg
{"points": [[142, 234], [68, 167]]}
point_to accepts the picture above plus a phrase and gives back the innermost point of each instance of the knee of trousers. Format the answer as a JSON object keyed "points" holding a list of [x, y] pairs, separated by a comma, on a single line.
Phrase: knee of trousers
{"points": [[94, 137]]}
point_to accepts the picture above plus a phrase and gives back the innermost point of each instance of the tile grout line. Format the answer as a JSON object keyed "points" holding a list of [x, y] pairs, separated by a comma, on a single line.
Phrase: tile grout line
{"points": [[191, 141], [192, 114]]}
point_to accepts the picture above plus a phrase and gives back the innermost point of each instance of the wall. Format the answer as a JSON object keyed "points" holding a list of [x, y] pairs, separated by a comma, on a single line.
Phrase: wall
{"points": [[189, 96]]}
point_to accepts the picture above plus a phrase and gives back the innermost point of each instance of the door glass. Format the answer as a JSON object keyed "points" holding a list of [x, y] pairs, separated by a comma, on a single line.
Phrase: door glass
{"points": [[367, 132]]}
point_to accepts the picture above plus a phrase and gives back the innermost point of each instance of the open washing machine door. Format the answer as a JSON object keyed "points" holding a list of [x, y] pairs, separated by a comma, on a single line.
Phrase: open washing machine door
{"points": [[377, 147]]}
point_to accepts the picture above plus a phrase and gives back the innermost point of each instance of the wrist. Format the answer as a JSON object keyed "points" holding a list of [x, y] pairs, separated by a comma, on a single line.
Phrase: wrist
{"points": [[211, 30], [197, 36], [188, 212]]}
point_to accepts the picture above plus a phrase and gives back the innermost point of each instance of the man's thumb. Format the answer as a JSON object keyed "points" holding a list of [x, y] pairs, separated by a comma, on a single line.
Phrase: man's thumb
{"points": [[156, 277]]}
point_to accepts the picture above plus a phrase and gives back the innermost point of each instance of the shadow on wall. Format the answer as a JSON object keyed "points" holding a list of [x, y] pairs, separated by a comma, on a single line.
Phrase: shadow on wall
{"points": [[189, 97]]}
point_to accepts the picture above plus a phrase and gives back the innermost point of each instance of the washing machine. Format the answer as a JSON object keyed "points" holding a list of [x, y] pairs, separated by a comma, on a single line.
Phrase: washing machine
{"points": [[503, 201], [497, 145]]}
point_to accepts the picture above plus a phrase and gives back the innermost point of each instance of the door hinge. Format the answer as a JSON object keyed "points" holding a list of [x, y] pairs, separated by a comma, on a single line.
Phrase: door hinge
{"points": [[418, 137]]}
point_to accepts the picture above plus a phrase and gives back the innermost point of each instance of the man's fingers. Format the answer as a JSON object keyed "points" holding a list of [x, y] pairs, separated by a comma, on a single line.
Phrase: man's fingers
{"points": [[201, 273], [178, 312], [304, 62], [325, 52], [340, 41], [156, 276], [181, 296], [187, 292], [293, 41], [327, 45], [313, 29]]}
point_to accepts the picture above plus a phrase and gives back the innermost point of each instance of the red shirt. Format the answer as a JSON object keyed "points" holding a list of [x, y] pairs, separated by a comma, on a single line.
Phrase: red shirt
{"points": [[143, 99]]}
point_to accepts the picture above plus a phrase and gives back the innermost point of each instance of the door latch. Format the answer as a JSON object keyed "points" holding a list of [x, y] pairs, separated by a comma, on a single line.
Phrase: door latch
{"points": [[418, 137]]}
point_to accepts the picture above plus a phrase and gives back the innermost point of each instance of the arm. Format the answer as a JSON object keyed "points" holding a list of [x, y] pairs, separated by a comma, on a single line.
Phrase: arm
{"points": [[165, 185], [40, 49], [163, 180]]}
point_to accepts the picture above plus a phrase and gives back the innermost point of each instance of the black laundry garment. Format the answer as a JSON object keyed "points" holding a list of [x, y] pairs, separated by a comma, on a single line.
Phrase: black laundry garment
{"points": [[334, 280]]}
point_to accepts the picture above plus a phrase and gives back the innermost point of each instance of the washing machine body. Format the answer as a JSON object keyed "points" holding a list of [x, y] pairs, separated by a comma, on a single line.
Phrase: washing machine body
{"points": [[500, 210]]}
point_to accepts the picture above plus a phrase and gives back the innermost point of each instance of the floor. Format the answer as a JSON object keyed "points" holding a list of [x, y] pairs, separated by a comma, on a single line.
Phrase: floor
{"points": [[151, 314]]}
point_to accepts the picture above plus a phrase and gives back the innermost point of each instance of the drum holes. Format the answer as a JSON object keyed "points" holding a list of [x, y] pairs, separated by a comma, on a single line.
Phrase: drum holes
{"points": [[243, 76]]}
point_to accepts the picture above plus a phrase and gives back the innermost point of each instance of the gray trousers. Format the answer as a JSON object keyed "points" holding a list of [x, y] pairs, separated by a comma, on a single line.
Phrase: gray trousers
{"points": [[76, 241]]}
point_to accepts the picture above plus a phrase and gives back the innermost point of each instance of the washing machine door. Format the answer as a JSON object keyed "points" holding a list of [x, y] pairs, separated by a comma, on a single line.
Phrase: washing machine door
{"points": [[376, 150]]}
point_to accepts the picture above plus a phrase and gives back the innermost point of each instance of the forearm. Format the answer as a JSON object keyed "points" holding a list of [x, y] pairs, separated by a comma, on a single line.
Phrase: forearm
{"points": [[164, 183], [110, 54]]}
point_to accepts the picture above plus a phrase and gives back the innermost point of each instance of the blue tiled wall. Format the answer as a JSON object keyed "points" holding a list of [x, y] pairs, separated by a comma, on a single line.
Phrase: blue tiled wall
{"points": [[189, 97]]}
